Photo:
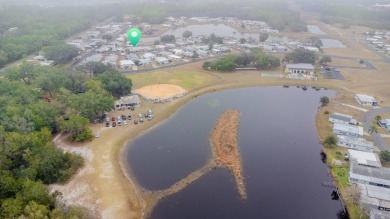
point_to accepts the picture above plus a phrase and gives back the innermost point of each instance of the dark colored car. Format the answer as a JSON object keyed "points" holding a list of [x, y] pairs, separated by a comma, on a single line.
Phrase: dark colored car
{"points": [[135, 121], [107, 124], [113, 124], [128, 117], [113, 119], [123, 117]]}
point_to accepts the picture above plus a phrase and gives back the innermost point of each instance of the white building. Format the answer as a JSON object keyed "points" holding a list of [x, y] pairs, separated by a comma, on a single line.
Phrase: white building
{"points": [[359, 144], [347, 130], [374, 197], [126, 64], [342, 119], [161, 60], [149, 56], [174, 57], [362, 158], [300, 68], [366, 100]]}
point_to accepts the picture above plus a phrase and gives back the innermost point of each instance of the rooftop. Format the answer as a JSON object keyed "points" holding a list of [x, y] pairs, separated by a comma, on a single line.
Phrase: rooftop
{"points": [[356, 141], [364, 158], [348, 128], [343, 117], [377, 173], [300, 66], [365, 98]]}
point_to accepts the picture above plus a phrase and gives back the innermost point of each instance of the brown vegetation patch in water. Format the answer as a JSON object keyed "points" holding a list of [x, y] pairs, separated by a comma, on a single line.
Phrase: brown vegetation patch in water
{"points": [[224, 142]]}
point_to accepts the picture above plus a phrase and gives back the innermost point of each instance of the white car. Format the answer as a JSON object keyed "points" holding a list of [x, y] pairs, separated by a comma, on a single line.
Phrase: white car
{"points": [[97, 135], [124, 122]]}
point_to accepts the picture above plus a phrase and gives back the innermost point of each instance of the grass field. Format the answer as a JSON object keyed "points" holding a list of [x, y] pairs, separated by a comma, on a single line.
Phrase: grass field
{"points": [[187, 79]]}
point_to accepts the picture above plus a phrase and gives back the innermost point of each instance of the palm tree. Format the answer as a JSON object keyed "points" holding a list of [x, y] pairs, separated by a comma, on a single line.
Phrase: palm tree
{"points": [[373, 129], [378, 118]]}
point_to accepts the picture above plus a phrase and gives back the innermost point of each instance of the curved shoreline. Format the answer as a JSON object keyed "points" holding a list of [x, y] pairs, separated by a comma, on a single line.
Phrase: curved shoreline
{"points": [[148, 202]]}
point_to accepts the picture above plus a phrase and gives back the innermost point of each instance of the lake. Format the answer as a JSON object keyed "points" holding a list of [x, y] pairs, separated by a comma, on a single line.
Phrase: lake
{"points": [[279, 148], [218, 29]]}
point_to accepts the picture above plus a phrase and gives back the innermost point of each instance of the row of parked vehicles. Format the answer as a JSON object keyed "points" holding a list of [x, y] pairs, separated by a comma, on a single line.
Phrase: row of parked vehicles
{"points": [[121, 120]]}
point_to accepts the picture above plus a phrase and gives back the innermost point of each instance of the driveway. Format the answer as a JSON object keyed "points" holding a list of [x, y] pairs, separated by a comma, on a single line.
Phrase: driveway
{"points": [[367, 118]]}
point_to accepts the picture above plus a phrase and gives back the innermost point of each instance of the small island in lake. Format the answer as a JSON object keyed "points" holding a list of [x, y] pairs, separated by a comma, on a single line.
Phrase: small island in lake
{"points": [[224, 143]]}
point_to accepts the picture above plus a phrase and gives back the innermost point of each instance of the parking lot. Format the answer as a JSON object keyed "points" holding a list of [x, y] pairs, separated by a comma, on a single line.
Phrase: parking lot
{"points": [[332, 73]]}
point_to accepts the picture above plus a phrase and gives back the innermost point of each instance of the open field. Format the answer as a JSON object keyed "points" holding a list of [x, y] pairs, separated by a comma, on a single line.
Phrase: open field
{"points": [[182, 76]]}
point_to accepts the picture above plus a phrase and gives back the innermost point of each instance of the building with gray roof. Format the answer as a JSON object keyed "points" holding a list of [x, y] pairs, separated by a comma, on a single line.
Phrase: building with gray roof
{"points": [[366, 175], [342, 119], [359, 144], [347, 130], [374, 197], [362, 158], [379, 214]]}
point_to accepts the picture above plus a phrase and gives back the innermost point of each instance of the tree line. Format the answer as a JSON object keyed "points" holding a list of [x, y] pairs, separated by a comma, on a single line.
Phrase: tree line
{"points": [[36, 102], [38, 27], [255, 58]]}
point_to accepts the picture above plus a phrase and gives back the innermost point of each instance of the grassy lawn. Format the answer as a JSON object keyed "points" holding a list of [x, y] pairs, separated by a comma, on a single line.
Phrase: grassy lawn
{"points": [[186, 79]]}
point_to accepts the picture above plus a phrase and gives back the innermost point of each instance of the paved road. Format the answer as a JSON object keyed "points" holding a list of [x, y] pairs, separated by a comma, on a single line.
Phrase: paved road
{"points": [[367, 118]]}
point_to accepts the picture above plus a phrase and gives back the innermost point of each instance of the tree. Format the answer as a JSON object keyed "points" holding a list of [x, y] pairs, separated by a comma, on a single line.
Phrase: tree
{"points": [[61, 54], [93, 102], [96, 68], [330, 140], [115, 83], [325, 59], [314, 42], [300, 55], [24, 72], [378, 118], [324, 101], [78, 128], [187, 34], [263, 37], [385, 156], [373, 128], [211, 45], [168, 39], [242, 40], [107, 37]]}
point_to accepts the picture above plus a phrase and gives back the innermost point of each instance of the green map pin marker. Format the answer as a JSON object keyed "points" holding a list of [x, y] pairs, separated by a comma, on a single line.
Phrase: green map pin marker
{"points": [[134, 36]]}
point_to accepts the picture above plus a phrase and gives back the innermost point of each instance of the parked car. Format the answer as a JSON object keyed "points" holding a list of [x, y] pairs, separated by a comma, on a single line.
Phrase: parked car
{"points": [[132, 108], [119, 123], [149, 117], [113, 119], [141, 120], [124, 122], [135, 122], [97, 135], [107, 124], [123, 117], [107, 119], [129, 117], [119, 118], [114, 124]]}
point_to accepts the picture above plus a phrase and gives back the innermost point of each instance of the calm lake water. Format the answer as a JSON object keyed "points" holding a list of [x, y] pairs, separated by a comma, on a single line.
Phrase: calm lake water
{"points": [[218, 29], [279, 148]]}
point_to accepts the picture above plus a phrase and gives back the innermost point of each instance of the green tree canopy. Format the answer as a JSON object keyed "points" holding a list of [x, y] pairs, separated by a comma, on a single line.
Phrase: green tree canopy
{"points": [[115, 83], [61, 54], [301, 55]]}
